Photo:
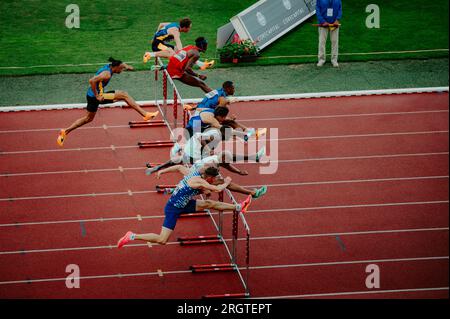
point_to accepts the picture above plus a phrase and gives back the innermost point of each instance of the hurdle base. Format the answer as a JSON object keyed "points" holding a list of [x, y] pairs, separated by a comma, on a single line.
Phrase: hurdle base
{"points": [[212, 268], [155, 144], [200, 240], [140, 124], [196, 214]]}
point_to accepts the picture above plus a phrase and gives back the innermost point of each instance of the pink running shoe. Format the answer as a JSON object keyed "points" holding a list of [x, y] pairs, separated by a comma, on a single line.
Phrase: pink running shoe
{"points": [[246, 204], [124, 240]]}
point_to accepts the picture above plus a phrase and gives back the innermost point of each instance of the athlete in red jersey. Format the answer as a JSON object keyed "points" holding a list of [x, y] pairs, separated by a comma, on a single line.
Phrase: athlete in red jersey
{"points": [[180, 65]]}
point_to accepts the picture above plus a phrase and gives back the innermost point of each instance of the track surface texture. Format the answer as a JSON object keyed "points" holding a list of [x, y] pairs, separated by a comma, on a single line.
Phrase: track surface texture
{"points": [[360, 181]]}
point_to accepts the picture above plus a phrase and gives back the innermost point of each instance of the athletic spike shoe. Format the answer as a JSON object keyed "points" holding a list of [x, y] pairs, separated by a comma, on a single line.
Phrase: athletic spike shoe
{"points": [[124, 240], [250, 132], [150, 171], [260, 192], [146, 57], [261, 153], [207, 64], [150, 116], [61, 137], [246, 204]]}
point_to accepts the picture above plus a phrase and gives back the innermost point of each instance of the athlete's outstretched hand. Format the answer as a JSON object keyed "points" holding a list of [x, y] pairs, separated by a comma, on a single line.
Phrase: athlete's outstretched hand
{"points": [[158, 175], [243, 173]]}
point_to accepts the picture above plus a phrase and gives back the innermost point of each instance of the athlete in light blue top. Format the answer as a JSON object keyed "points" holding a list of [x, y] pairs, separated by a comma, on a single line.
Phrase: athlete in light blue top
{"points": [[182, 201]]}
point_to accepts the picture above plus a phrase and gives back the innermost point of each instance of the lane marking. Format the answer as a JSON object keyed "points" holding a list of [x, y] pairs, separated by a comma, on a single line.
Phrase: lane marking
{"points": [[298, 209], [332, 116], [190, 272], [349, 293], [101, 170], [130, 193], [287, 139], [280, 237]]}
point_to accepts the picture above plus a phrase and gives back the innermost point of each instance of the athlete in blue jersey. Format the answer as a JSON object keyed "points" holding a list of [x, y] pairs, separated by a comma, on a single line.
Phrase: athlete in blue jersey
{"points": [[215, 98], [221, 98], [167, 32], [194, 183], [96, 96]]}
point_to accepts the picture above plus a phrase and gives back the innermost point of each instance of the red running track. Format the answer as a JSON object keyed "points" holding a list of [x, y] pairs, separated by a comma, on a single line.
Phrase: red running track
{"points": [[360, 180]]}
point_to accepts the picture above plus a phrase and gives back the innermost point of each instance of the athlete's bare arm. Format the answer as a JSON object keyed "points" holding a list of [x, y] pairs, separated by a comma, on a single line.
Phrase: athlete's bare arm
{"points": [[176, 36], [93, 82], [198, 182], [177, 168]]}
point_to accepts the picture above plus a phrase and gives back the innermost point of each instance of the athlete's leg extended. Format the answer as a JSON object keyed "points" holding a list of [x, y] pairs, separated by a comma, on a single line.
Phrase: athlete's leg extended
{"points": [[211, 204], [81, 121], [193, 81], [160, 238], [124, 96]]}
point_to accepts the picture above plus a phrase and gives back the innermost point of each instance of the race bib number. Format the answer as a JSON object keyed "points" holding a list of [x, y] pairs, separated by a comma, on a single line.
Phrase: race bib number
{"points": [[181, 55], [329, 12]]}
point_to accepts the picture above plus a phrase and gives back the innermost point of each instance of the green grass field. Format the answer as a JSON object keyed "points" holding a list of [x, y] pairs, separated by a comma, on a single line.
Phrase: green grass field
{"points": [[33, 32]]}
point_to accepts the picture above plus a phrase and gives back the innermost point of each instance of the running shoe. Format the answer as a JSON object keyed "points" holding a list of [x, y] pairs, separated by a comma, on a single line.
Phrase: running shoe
{"points": [[261, 153], [261, 132], [61, 138], [250, 132], [150, 116], [146, 57], [207, 64], [150, 171], [246, 204], [124, 240], [260, 192]]}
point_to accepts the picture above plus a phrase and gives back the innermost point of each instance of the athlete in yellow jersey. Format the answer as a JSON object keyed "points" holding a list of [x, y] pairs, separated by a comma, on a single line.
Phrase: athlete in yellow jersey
{"points": [[166, 33]]}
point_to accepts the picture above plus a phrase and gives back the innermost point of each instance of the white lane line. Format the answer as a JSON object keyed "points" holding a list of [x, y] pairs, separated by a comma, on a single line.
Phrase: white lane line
{"points": [[341, 116], [95, 277], [72, 196], [351, 293], [276, 210], [248, 120], [306, 138], [356, 233], [354, 181], [254, 267], [348, 262], [79, 149], [280, 161], [375, 180]]}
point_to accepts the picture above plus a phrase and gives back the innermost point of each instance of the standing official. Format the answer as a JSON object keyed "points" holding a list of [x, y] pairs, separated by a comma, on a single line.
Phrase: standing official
{"points": [[329, 13]]}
